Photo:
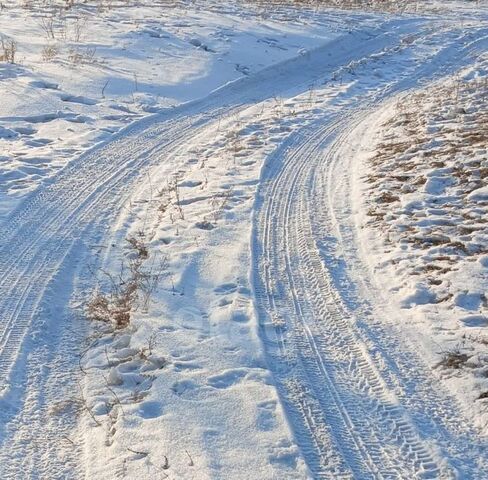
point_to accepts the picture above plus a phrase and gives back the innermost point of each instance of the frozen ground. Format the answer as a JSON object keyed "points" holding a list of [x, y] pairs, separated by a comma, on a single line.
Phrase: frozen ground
{"points": [[223, 253]]}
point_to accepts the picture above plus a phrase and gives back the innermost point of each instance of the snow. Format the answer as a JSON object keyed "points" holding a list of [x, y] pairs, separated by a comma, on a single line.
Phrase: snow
{"points": [[215, 378], [112, 66], [216, 389], [479, 194], [198, 279]]}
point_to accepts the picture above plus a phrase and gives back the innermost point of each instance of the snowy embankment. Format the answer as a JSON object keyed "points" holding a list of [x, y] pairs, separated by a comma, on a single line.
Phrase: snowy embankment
{"points": [[423, 224], [80, 74]]}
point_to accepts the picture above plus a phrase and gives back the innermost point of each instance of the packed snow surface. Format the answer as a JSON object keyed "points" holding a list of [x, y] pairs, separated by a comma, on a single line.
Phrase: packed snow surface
{"points": [[242, 242]]}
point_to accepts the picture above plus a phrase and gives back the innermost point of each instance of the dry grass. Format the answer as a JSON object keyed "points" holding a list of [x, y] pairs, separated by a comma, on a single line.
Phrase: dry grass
{"points": [[82, 56], [9, 50], [115, 307], [375, 5], [453, 359], [130, 290], [139, 246], [49, 53], [460, 134]]}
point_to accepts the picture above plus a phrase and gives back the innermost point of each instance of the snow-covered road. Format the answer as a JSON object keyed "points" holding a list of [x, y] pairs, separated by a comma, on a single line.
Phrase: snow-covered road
{"points": [[355, 406], [341, 377]]}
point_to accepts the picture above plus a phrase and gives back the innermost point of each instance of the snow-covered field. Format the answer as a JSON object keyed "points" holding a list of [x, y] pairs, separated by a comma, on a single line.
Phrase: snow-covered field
{"points": [[243, 242], [83, 73]]}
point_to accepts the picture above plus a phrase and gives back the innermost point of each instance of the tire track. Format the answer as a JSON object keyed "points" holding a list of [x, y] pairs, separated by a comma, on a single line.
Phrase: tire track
{"points": [[313, 342], [311, 366], [347, 420], [39, 239], [431, 407], [57, 214]]}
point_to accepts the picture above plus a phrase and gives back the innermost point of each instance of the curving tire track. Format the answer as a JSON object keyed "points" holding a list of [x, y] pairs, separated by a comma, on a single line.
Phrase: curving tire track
{"points": [[350, 423], [347, 418], [43, 240], [38, 235]]}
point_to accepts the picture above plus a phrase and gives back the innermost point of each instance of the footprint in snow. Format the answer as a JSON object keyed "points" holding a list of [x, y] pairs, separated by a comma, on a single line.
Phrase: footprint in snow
{"points": [[182, 365], [77, 99], [223, 302], [240, 316], [150, 410], [225, 289], [183, 386], [475, 321], [228, 378], [191, 183], [44, 84], [284, 454], [266, 416]]}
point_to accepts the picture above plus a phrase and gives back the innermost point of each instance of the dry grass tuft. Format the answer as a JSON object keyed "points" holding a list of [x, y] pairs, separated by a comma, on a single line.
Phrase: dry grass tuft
{"points": [[454, 360], [130, 290]]}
